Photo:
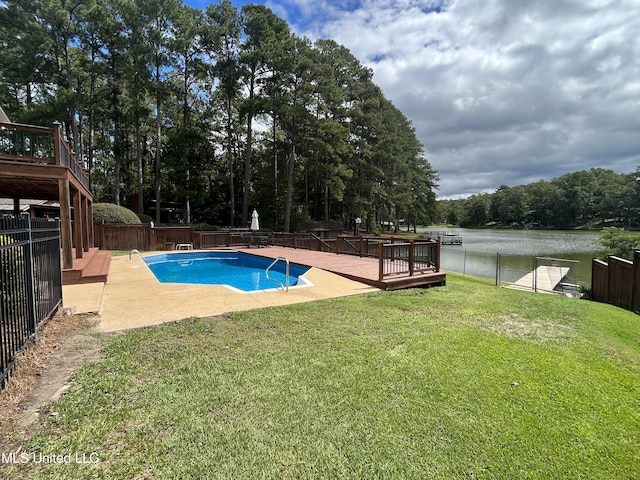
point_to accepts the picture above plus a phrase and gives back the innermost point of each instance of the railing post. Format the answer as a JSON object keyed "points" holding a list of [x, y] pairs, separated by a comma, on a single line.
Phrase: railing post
{"points": [[635, 298], [412, 257], [56, 143], [31, 282], [380, 261]]}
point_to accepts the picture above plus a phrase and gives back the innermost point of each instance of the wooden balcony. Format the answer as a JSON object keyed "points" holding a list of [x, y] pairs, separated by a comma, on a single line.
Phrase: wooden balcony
{"points": [[29, 148], [37, 163]]}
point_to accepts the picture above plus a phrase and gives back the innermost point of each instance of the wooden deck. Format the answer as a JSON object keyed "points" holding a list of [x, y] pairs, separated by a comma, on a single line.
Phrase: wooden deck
{"points": [[93, 267], [38, 163], [359, 269]]}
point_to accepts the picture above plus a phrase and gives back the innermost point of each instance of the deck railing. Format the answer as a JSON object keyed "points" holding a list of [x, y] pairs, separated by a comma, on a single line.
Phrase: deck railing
{"points": [[40, 146], [409, 258], [305, 241], [396, 256]]}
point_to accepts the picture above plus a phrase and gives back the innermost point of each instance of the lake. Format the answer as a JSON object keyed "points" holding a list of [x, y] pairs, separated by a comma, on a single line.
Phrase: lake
{"points": [[478, 254]]}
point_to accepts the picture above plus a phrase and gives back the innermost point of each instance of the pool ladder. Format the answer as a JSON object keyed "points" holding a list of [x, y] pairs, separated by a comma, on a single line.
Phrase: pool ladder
{"points": [[285, 288]]}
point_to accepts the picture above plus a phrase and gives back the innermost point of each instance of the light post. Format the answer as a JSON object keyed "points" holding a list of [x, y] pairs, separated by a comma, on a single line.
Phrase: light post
{"points": [[356, 231]]}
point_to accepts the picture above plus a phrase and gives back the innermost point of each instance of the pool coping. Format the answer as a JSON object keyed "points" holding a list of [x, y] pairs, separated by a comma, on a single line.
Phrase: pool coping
{"points": [[133, 298]]}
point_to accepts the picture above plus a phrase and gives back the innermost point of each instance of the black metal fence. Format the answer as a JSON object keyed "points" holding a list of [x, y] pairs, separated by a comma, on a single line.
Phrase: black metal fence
{"points": [[30, 282]]}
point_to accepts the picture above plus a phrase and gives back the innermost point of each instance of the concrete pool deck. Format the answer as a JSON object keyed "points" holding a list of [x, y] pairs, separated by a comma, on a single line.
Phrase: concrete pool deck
{"points": [[133, 298]]}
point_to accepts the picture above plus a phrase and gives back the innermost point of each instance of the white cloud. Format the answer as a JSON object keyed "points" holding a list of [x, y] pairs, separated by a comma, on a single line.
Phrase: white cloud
{"points": [[500, 91]]}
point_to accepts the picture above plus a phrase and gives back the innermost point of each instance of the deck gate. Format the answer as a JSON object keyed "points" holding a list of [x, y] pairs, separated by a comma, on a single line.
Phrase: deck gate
{"points": [[30, 282]]}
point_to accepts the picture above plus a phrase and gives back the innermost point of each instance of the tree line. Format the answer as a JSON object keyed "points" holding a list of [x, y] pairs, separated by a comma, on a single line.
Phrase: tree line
{"points": [[211, 113], [589, 199]]}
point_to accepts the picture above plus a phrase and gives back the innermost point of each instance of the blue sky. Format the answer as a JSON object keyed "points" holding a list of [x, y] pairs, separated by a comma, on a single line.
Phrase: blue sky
{"points": [[499, 91]]}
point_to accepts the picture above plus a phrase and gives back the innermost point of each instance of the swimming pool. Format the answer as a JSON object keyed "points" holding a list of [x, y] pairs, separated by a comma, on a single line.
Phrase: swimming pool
{"points": [[236, 270]]}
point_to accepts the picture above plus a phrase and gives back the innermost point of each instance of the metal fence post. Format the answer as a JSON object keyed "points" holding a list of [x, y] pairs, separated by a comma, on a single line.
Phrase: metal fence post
{"points": [[464, 264], [57, 223], [31, 281]]}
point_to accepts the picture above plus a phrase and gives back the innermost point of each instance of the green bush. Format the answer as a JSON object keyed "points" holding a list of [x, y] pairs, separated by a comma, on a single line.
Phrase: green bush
{"points": [[204, 227], [144, 218], [111, 213], [618, 242]]}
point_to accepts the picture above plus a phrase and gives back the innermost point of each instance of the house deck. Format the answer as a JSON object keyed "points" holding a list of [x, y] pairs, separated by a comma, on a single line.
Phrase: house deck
{"points": [[359, 269]]}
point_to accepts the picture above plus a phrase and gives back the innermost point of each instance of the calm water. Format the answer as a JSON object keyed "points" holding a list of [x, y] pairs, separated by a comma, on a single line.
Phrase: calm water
{"points": [[478, 253], [235, 269]]}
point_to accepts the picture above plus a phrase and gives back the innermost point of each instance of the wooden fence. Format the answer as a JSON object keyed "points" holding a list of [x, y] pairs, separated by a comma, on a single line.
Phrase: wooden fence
{"points": [[617, 282], [145, 238]]}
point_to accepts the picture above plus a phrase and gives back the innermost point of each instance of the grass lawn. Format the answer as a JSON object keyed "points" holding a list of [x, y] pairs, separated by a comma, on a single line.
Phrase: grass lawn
{"points": [[460, 382]]}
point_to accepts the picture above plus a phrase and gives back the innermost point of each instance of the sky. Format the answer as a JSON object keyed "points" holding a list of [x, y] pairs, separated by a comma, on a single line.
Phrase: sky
{"points": [[500, 92]]}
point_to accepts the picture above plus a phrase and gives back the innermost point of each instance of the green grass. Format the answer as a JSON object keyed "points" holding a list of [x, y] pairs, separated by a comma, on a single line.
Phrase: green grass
{"points": [[460, 382]]}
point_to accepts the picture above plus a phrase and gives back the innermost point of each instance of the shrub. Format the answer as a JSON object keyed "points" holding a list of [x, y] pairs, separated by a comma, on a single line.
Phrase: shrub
{"points": [[111, 213], [618, 242], [144, 218], [204, 227]]}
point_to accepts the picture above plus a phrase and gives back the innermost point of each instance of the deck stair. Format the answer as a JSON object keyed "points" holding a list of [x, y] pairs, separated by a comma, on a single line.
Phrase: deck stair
{"points": [[93, 267]]}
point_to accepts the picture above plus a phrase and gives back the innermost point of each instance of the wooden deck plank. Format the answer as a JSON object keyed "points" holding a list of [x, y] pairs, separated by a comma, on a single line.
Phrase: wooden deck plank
{"points": [[547, 278], [93, 267], [360, 269]]}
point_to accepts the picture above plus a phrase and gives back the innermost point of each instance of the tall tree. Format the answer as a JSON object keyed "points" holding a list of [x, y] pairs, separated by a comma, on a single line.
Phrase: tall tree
{"points": [[264, 36], [223, 38], [295, 85], [113, 33], [26, 63], [61, 17], [160, 16], [190, 75]]}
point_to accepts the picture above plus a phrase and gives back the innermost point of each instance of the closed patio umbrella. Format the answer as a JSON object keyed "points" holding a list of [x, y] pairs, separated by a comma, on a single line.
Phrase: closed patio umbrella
{"points": [[255, 225]]}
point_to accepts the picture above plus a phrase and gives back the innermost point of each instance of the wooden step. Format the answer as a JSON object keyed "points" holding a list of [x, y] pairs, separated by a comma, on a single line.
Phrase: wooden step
{"points": [[93, 267]]}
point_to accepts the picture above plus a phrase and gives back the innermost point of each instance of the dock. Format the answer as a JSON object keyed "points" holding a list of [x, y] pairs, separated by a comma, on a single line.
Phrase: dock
{"points": [[544, 278], [446, 238]]}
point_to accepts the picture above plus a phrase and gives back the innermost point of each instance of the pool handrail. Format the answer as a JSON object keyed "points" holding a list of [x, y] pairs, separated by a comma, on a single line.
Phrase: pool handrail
{"points": [[286, 260]]}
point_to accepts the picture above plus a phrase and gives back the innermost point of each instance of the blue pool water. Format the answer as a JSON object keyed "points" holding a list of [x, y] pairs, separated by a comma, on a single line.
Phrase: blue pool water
{"points": [[234, 269]]}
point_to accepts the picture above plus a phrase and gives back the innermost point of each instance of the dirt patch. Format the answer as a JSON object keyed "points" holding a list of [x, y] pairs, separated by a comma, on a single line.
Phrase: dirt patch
{"points": [[43, 373], [515, 326]]}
